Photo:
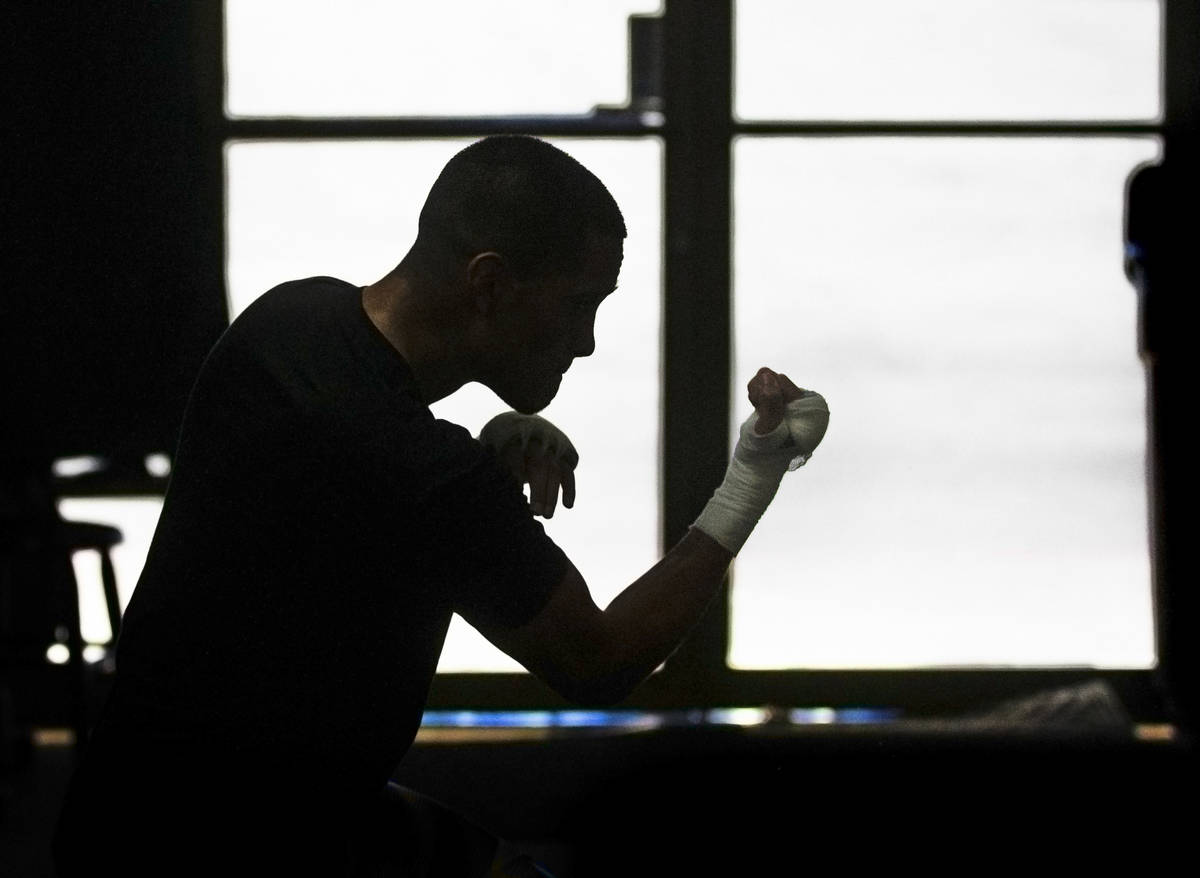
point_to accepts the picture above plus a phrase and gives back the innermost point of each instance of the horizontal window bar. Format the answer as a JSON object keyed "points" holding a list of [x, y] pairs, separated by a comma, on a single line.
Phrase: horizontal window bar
{"points": [[609, 124], [634, 124], [934, 128]]}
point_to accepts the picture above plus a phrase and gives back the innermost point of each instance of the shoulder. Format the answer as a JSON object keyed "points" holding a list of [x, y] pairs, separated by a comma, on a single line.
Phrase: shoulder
{"points": [[286, 317], [297, 303], [304, 291], [434, 457], [307, 349], [301, 330]]}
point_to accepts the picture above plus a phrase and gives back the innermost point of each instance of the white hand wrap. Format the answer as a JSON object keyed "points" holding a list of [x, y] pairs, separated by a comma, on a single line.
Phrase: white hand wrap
{"points": [[510, 427], [757, 468]]}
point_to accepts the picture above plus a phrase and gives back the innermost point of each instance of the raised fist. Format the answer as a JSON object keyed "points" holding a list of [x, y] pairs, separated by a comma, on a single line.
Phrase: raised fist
{"points": [[775, 398], [770, 392]]}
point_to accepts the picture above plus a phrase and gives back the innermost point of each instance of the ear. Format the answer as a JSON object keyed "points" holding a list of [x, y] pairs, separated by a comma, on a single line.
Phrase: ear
{"points": [[487, 278]]}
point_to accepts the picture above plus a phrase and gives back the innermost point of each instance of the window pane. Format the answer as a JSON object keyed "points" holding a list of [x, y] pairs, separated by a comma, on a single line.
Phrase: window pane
{"points": [[980, 495], [453, 57], [948, 59], [349, 209]]}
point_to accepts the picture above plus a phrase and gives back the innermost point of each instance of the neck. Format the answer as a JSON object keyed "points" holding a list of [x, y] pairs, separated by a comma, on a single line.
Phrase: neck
{"points": [[401, 311]]}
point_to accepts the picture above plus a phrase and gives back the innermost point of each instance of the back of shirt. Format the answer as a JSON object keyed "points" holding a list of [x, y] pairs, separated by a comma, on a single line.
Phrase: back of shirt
{"points": [[319, 529]]}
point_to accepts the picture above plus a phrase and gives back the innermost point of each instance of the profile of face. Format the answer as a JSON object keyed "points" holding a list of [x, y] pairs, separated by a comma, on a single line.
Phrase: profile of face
{"points": [[549, 322]]}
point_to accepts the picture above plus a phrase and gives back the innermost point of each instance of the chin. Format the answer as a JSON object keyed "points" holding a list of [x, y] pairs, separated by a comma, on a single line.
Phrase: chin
{"points": [[527, 400]]}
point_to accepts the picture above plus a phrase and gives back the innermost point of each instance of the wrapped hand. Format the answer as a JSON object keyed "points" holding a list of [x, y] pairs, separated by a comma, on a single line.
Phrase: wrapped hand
{"points": [[787, 424], [538, 454], [776, 399]]}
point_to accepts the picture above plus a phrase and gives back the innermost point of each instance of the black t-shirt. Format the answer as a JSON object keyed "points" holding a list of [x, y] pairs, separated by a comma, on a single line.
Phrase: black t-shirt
{"points": [[319, 529]]}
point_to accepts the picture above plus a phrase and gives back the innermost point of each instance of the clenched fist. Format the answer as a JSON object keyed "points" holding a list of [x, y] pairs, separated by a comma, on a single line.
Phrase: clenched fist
{"points": [[776, 399], [769, 393]]}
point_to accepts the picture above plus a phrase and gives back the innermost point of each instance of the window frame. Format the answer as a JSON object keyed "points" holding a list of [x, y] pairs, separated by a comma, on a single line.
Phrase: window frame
{"points": [[697, 129]]}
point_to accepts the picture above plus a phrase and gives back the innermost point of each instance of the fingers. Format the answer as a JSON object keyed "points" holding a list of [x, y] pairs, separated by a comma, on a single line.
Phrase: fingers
{"points": [[545, 471], [546, 474], [536, 475], [550, 496], [568, 485], [544, 483], [769, 393], [790, 391], [766, 395]]}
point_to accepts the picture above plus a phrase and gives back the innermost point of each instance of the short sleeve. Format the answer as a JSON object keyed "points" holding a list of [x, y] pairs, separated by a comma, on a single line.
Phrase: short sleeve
{"points": [[496, 561], [425, 515]]}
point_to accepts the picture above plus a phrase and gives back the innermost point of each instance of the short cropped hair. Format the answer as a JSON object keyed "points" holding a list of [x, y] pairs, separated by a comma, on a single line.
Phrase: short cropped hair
{"points": [[522, 198]]}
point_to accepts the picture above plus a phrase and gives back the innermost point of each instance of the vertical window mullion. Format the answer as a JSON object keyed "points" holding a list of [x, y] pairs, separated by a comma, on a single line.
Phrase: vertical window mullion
{"points": [[696, 304], [208, 44], [1168, 353]]}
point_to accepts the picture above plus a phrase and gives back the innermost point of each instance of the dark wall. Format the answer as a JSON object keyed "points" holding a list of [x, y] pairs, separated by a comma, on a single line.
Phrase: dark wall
{"points": [[112, 286]]}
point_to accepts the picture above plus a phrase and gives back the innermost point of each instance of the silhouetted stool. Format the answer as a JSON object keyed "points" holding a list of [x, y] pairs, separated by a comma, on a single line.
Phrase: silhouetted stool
{"points": [[80, 536], [39, 597]]}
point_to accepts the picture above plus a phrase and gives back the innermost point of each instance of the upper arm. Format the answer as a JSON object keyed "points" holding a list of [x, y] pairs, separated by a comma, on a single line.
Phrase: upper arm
{"points": [[566, 644], [494, 565]]}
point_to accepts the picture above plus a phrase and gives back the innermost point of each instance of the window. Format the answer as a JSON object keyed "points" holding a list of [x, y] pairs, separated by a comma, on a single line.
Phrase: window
{"points": [[914, 206], [957, 291], [980, 498], [343, 222], [356, 212]]}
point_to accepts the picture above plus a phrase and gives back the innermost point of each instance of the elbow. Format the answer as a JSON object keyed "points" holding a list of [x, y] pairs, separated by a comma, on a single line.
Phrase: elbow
{"points": [[601, 680], [595, 693], [596, 666]]}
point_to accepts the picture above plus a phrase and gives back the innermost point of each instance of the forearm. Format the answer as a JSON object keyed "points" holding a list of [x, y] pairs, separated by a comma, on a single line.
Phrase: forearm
{"points": [[650, 618], [592, 655]]}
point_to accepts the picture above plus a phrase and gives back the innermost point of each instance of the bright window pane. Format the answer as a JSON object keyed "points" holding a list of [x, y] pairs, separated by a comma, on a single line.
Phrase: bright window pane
{"points": [[947, 59], [980, 496], [349, 209], [452, 57]]}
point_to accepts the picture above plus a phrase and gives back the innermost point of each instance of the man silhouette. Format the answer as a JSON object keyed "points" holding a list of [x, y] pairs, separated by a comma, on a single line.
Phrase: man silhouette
{"points": [[321, 526]]}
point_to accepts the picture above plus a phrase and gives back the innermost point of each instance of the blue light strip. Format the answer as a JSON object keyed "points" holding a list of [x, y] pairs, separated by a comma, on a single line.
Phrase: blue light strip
{"points": [[539, 719], [825, 716], [737, 716]]}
